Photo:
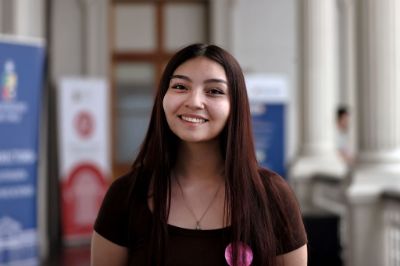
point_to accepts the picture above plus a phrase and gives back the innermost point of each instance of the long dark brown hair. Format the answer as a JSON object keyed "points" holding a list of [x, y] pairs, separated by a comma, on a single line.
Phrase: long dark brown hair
{"points": [[247, 203]]}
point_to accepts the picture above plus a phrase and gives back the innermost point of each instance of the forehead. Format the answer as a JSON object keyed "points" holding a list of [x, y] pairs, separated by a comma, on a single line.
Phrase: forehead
{"points": [[201, 67]]}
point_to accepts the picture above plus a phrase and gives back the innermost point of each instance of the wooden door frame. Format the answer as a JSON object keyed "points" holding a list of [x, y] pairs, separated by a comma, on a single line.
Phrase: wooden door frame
{"points": [[158, 57]]}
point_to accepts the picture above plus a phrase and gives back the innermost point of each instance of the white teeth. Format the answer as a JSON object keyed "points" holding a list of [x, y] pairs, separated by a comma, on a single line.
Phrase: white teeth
{"points": [[193, 119]]}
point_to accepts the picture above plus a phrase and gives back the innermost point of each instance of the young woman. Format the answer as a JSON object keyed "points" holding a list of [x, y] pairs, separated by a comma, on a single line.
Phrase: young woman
{"points": [[195, 194]]}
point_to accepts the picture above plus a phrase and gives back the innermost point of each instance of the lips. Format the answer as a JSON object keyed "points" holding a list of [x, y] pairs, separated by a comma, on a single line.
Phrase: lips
{"points": [[193, 119]]}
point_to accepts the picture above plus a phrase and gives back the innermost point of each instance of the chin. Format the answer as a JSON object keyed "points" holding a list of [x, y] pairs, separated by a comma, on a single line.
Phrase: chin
{"points": [[199, 140]]}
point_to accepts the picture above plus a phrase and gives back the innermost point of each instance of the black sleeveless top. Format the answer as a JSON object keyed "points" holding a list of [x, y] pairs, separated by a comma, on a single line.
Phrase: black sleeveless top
{"points": [[188, 247]]}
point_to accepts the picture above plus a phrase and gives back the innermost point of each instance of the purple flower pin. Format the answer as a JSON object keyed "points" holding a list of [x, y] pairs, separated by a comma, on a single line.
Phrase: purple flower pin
{"points": [[245, 254]]}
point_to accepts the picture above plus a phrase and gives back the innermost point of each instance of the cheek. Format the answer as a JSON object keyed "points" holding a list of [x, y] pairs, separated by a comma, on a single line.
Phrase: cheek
{"points": [[164, 104], [225, 111], [167, 104], [167, 111], [221, 111]]}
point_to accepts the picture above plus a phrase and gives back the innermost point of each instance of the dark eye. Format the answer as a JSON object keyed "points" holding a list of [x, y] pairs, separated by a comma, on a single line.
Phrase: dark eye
{"points": [[215, 91], [178, 87]]}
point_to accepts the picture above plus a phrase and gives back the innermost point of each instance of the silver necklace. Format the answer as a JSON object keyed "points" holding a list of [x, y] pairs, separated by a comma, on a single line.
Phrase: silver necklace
{"points": [[191, 210]]}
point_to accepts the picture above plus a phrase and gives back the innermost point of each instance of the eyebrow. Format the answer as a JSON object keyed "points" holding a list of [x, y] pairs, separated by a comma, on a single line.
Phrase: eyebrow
{"points": [[206, 81]]}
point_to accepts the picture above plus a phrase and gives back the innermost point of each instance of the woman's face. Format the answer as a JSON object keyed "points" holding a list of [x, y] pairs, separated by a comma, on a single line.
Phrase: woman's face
{"points": [[197, 104]]}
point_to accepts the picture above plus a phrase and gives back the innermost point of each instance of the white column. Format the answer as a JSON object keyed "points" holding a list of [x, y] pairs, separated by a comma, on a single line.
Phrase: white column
{"points": [[7, 17], [347, 66], [29, 18], [379, 81], [95, 37], [221, 22], [318, 95], [1, 17], [22, 18], [378, 166], [319, 76]]}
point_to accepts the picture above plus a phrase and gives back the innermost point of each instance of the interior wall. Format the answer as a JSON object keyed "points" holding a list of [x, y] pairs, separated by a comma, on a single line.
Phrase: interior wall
{"points": [[6, 17], [29, 18], [221, 23], [67, 43], [264, 40], [23, 18]]}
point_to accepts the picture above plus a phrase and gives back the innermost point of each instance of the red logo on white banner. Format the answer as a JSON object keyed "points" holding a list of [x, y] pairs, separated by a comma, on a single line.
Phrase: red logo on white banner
{"points": [[84, 124]]}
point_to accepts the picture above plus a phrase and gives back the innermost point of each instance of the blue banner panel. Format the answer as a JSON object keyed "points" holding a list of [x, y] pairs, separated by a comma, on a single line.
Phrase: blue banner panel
{"points": [[21, 79], [269, 134]]}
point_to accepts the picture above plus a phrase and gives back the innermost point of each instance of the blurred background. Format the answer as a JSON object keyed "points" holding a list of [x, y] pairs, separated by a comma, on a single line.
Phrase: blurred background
{"points": [[77, 84]]}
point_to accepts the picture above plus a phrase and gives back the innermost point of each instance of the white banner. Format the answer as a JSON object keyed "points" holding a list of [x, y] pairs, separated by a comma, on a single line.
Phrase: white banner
{"points": [[267, 88], [84, 152]]}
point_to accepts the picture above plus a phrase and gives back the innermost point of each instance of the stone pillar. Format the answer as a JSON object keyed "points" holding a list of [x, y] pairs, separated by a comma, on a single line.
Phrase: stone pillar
{"points": [[347, 36], [1, 17], [29, 18], [378, 166], [318, 73], [347, 65], [95, 37], [221, 23]]}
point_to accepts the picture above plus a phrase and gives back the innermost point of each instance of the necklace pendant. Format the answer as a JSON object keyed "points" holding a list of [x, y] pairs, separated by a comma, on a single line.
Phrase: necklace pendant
{"points": [[198, 226]]}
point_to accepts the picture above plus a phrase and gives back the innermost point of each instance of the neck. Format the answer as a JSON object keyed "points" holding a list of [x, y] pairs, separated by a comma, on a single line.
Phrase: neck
{"points": [[199, 161]]}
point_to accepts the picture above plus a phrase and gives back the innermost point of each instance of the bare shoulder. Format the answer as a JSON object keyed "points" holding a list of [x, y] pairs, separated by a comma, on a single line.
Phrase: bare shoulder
{"points": [[106, 253]]}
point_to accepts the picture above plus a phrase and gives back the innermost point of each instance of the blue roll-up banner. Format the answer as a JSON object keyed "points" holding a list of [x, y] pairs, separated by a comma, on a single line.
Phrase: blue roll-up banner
{"points": [[268, 95], [21, 80]]}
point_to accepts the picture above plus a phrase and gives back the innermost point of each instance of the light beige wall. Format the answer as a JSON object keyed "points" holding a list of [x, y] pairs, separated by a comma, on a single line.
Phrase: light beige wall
{"points": [[29, 18], [6, 16], [264, 39], [22, 17], [66, 34]]}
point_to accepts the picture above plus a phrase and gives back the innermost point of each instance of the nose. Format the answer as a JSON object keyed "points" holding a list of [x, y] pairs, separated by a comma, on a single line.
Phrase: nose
{"points": [[195, 100]]}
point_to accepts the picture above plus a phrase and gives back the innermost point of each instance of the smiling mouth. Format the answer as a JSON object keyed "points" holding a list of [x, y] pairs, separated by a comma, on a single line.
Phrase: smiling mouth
{"points": [[193, 119]]}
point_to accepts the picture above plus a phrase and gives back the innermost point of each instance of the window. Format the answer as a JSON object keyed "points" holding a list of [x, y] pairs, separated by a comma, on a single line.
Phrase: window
{"points": [[143, 36]]}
